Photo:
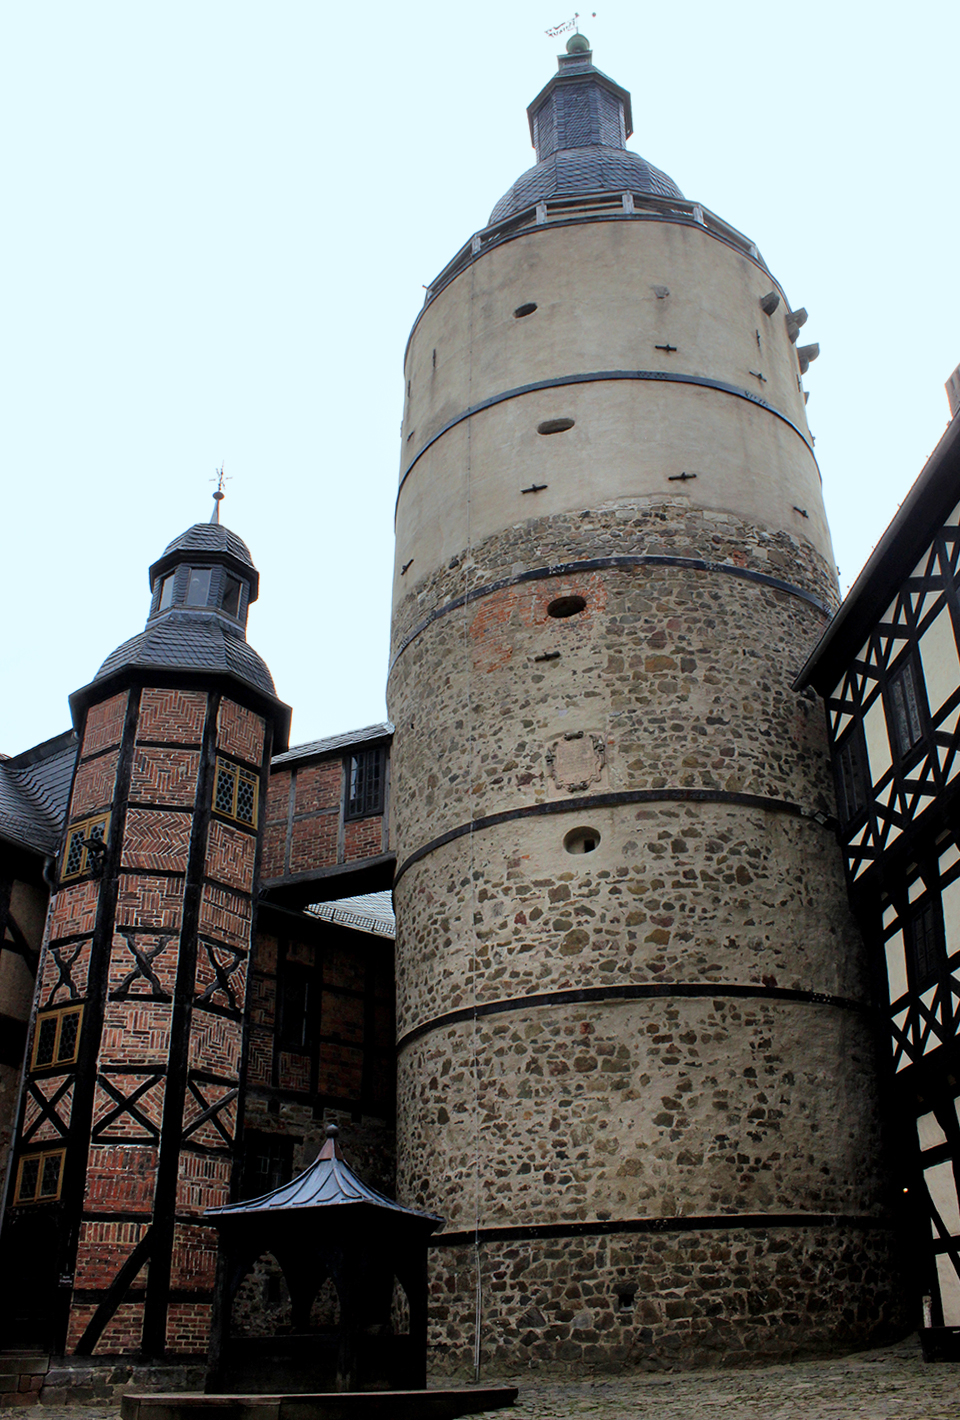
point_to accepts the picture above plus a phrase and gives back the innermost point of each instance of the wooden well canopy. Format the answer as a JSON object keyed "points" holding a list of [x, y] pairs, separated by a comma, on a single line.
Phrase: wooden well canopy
{"points": [[325, 1224]]}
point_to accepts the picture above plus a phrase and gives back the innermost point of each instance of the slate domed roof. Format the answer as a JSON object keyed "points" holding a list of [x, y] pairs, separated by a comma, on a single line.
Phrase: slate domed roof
{"points": [[210, 537], [573, 171], [579, 124], [191, 640]]}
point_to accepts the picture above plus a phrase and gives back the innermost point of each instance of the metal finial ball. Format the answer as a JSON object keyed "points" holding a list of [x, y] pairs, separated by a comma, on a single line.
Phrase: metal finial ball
{"points": [[578, 44], [333, 1132]]}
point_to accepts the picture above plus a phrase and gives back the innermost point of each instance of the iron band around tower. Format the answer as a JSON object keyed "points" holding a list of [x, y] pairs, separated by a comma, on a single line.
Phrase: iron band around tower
{"points": [[693, 1223], [599, 564], [600, 377], [632, 991], [615, 799]]}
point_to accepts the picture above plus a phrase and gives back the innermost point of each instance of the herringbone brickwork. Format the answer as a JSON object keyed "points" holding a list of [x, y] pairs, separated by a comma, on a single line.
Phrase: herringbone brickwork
{"points": [[93, 785], [149, 902], [157, 839], [240, 732], [203, 1182], [230, 856], [215, 1044], [194, 1258], [164, 776], [74, 910], [294, 1071], [226, 915], [121, 1178], [104, 727], [174, 715], [136, 1033]]}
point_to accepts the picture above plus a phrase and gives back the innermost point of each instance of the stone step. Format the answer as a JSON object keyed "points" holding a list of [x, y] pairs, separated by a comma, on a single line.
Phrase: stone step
{"points": [[435, 1404]]}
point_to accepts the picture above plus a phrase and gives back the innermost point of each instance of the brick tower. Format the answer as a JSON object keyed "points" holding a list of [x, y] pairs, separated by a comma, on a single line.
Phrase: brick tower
{"points": [[636, 1068], [129, 1111]]}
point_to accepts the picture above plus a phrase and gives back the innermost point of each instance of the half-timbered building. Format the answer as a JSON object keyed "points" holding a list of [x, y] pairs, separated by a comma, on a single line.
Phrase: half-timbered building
{"points": [[888, 668]]}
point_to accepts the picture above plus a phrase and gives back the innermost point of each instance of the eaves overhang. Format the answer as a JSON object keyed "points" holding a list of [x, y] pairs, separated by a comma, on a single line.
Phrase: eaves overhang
{"points": [[933, 495]]}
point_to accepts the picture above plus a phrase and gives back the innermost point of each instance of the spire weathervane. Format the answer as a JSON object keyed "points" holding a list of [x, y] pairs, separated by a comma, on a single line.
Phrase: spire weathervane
{"points": [[219, 494], [573, 24]]}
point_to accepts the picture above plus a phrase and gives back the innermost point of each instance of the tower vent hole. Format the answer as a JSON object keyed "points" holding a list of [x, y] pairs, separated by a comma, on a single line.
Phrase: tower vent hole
{"points": [[563, 607], [527, 309], [555, 426], [581, 840]]}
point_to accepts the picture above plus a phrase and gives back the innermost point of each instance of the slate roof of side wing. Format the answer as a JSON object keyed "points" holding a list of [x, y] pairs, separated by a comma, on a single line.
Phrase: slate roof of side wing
{"points": [[34, 788], [315, 748]]}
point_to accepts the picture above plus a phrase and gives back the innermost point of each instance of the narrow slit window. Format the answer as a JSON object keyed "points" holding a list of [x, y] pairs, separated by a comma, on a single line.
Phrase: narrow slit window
{"points": [[57, 1038], [236, 793], [365, 781], [903, 705], [81, 853], [40, 1177]]}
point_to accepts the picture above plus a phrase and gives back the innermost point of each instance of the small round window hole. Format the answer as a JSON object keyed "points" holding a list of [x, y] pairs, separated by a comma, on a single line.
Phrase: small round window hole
{"points": [[527, 309], [581, 840], [563, 607], [555, 426]]}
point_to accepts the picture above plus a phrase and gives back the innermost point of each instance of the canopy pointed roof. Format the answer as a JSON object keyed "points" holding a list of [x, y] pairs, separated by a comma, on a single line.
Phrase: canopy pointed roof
{"points": [[329, 1182]]}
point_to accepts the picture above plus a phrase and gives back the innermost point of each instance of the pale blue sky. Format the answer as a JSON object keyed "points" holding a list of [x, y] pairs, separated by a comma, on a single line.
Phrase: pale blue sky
{"points": [[219, 220]]}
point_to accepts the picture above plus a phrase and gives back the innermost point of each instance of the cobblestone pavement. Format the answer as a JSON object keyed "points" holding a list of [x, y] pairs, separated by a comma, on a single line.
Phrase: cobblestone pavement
{"points": [[889, 1384]]}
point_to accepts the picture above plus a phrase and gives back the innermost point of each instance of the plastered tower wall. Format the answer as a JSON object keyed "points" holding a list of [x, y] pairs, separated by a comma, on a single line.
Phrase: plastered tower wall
{"points": [[638, 1080]]}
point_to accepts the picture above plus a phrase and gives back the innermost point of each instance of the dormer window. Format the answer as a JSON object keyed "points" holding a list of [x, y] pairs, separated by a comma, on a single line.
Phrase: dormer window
{"points": [[231, 594], [166, 592], [198, 588]]}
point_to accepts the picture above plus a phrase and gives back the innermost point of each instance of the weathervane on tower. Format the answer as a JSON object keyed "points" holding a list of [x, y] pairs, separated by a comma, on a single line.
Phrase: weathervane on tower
{"points": [[219, 494], [573, 24]]}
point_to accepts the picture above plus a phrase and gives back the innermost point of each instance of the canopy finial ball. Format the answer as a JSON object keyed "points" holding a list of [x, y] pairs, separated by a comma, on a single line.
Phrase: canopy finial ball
{"points": [[333, 1132], [578, 44]]}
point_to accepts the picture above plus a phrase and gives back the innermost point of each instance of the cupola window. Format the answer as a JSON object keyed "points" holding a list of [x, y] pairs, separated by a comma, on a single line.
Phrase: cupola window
{"points": [[166, 592], [231, 595], [198, 588]]}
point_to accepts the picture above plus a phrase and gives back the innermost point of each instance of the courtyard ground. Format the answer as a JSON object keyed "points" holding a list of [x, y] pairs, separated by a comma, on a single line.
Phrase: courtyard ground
{"points": [[889, 1384]]}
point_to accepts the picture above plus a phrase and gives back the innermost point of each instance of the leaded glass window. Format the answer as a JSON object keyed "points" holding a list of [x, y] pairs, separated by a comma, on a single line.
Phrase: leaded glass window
{"points": [[39, 1177], [365, 780], [78, 857], [236, 793], [57, 1038]]}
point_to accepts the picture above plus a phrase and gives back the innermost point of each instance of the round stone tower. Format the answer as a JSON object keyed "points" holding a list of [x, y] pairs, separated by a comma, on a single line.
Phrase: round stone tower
{"points": [[636, 1068]]}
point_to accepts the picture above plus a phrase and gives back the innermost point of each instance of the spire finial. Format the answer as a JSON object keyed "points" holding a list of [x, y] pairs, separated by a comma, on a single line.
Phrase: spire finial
{"points": [[219, 495]]}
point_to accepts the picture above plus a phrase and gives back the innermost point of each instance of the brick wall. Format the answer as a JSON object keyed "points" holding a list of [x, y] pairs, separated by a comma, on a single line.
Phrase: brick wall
{"points": [[305, 829]]}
